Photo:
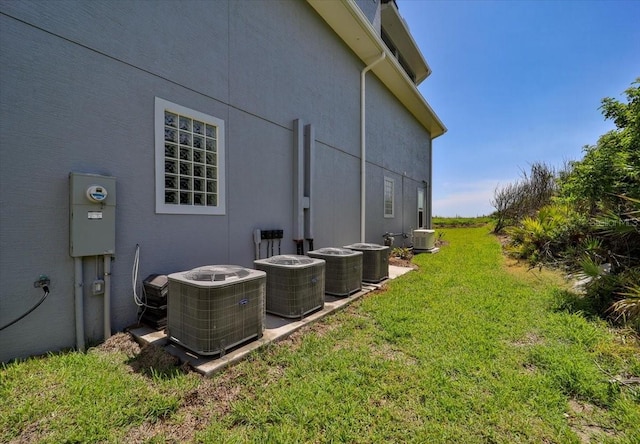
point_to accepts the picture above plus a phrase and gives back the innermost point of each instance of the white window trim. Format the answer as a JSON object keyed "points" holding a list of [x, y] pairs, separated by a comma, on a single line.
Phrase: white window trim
{"points": [[421, 207], [384, 201], [162, 105]]}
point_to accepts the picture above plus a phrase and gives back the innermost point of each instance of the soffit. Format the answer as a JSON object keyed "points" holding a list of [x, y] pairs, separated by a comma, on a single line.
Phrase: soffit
{"points": [[397, 29], [351, 25]]}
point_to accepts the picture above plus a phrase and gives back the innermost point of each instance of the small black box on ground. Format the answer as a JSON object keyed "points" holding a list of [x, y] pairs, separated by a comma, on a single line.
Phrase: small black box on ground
{"points": [[156, 289]]}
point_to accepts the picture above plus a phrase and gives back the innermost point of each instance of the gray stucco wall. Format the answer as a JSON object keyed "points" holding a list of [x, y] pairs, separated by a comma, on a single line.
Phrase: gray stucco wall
{"points": [[77, 88], [371, 9]]}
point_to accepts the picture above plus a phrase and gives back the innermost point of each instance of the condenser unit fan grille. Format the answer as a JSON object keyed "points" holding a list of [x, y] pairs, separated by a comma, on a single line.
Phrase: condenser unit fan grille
{"points": [[217, 273]]}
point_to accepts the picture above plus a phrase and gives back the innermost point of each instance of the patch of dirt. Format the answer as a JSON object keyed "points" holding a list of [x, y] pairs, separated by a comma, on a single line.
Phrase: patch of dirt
{"points": [[320, 328], [33, 432], [119, 343], [153, 358], [503, 239], [388, 352], [529, 339], [211, 399], [398, 262], [217, 394], [582, 418], [144, 359]]}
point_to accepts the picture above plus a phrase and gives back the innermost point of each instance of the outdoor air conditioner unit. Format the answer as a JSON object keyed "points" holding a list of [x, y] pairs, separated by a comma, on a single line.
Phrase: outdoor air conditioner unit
{"points": [[375, 261], [424, 239], [295, 284], [214, 308], [343, 272]]}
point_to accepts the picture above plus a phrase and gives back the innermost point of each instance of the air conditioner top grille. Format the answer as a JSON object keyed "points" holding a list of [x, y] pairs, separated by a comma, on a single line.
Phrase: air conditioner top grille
{"points": [[217, 273], [212, 275], [331, 251], [363, 246], [289, 261]]}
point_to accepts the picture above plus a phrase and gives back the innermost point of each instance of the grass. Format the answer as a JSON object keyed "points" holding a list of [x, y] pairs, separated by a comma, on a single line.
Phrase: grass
{"points": [[469, 348], [461, 222], [73, 397]]}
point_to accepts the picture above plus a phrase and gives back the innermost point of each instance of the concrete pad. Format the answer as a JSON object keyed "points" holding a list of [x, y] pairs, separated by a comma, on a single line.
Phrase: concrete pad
{"points": [[276, 328], [395, 271]]}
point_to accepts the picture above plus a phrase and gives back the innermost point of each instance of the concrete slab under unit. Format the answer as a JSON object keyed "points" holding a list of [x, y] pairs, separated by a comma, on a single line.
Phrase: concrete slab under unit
{"points": [[276, 328]]}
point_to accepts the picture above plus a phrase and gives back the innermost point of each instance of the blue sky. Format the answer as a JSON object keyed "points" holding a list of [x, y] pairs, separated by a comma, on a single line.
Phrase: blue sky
{"points": [[517, 82]]}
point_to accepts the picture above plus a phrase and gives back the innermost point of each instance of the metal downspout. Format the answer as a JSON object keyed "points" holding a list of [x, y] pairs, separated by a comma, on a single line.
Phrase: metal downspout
{"points": [[363, 146], [429, 190]]}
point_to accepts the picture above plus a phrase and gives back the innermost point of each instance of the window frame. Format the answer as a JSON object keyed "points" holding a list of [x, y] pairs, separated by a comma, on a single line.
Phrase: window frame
{"points": [[161, 106], [391, 197], [421, 207]]}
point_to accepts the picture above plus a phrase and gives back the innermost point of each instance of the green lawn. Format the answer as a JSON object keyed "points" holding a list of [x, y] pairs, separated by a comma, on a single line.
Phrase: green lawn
{"points": [[461, 222], [467, 349]]}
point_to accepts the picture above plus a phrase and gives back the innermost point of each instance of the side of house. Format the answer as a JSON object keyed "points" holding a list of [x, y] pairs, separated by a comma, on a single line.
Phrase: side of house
{"points": [[203, 112]]}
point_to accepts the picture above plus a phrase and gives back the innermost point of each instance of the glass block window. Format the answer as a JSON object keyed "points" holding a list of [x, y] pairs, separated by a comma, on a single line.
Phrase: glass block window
{"points": [[388, 197], [189, 161]]}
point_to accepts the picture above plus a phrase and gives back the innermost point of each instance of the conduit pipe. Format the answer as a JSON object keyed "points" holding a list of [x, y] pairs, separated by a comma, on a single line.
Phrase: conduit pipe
{"points": [[107, 296], [363, 145], [298, 181], [79, 303], [309, 168]]}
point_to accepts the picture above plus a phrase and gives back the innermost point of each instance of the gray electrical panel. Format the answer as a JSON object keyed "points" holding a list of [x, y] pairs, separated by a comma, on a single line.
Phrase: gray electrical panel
{"points": [[92, 215]]}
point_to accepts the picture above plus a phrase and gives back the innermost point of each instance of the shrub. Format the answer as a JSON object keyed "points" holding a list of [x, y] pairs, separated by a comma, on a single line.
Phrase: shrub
{"points": [[402, 253], [548, 237], [525, 197]]}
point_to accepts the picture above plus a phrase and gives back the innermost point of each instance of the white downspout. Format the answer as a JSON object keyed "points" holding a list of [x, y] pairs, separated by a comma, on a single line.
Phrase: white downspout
{"points": [[429, 190], [79, 304], [107, 296], [363, 146]]}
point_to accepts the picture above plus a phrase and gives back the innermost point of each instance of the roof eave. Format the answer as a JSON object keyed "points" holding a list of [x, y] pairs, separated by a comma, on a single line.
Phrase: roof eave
{"points": [[352, 26], [399, 32]]}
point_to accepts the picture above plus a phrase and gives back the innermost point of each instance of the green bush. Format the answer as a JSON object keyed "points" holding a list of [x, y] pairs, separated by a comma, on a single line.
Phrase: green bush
{"points": [[548, 237], [402, 253], [592, 226]]}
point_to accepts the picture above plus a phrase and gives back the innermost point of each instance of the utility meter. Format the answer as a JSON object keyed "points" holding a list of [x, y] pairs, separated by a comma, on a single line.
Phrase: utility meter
{"points": [[92, 215], [97, 193]]}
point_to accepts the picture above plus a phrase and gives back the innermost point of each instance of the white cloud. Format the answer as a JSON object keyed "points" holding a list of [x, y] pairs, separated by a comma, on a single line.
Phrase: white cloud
{"points": [[468, 199]]}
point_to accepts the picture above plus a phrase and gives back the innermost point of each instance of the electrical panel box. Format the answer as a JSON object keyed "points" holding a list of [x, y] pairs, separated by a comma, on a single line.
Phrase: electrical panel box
{"points": [[92, 215]]}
